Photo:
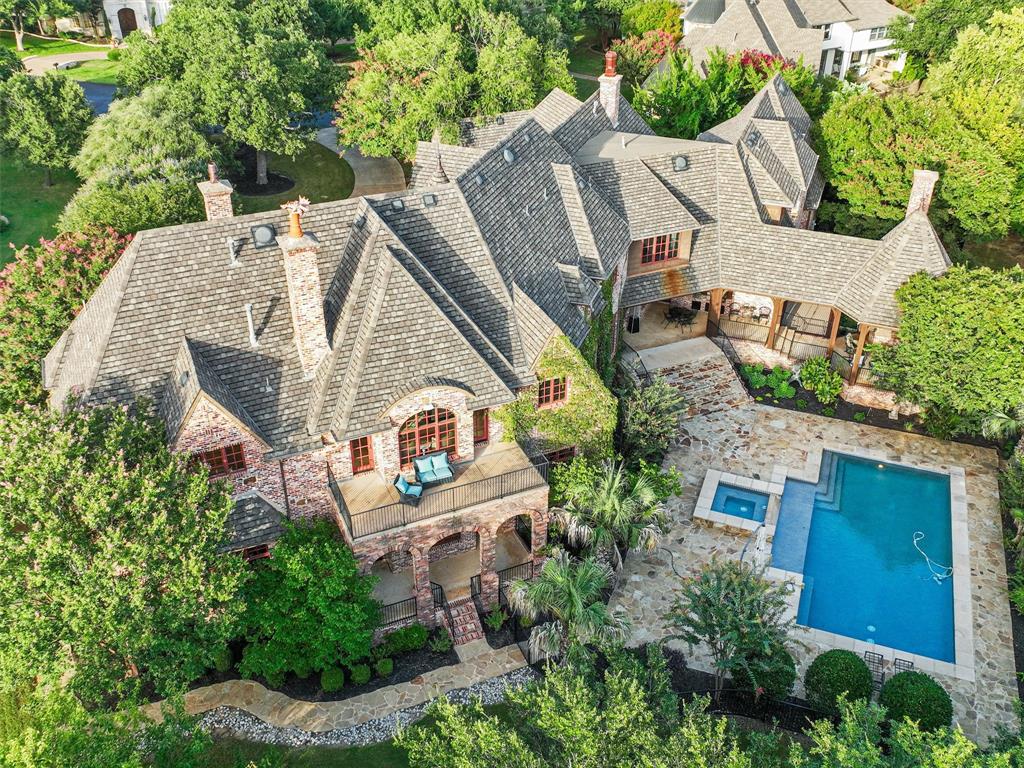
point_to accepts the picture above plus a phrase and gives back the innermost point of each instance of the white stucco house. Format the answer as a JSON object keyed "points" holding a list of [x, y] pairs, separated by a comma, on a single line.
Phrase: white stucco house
{"points": [[126, 16]]}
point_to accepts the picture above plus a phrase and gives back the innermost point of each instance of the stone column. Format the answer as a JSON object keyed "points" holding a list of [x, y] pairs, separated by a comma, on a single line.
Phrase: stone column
{"points": [[488, 574], [539, 533], [421, 588]]}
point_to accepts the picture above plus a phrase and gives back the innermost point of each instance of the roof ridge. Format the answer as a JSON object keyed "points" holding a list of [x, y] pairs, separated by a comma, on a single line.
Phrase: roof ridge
{"points": [[234, 407]]}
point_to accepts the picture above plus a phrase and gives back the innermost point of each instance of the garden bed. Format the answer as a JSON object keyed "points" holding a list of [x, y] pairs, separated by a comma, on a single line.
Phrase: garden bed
{"points": [[502, 637]]}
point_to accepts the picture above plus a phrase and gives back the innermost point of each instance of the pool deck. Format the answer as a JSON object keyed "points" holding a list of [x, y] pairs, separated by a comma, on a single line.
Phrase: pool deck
{"points": [[752, 440]]}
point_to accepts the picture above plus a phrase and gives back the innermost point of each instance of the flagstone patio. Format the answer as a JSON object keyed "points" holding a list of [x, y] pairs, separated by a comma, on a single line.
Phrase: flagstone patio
{"points": [[750, 439]]}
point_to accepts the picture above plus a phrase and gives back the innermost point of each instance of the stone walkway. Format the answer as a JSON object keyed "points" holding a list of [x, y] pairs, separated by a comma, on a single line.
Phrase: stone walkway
{"points": [[281, 711], [749, 439]]}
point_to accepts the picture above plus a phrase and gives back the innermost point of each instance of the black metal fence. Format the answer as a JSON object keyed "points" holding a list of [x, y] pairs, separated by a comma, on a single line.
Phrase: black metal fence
{"points": [[521, 572], [744, 330], [799, 349], [441, 604], [396, 613], [442, 500], [633, 364], [524, 528], [788, 714]]}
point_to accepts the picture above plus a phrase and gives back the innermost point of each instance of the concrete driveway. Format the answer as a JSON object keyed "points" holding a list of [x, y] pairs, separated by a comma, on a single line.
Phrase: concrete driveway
{"points": [[99, 94], [373, 175]]}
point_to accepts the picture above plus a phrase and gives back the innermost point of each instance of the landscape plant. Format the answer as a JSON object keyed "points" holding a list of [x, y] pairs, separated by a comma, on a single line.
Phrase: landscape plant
{"points": [[730, 608], [569, 592], [112, 576], [360, 674], [768, 675], [837, 674], [403, 640], [496, 618], [648, 420], [918, 697], [930, 34], [638, 55], [384, 667], [651, 15], [332, 679], [307, 607], [817, 376]]}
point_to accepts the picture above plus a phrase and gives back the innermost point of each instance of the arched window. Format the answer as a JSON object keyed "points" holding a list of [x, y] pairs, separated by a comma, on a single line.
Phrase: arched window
{"points": [[426, 432]]}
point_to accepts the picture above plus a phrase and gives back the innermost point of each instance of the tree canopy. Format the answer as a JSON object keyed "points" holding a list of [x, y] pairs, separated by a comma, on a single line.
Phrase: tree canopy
{"points": [[111, 569], [931, 33]]}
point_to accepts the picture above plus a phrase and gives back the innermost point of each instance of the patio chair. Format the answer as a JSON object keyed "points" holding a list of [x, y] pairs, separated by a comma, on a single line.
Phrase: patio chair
{"points": [[902, 665], [433, 468], [408, 493]]}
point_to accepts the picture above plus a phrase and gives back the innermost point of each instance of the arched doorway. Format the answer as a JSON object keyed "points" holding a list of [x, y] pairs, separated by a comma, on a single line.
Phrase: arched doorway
{"points": [[126, 21], [513, 550], [395, 589], [426, 432], [455, 564]]}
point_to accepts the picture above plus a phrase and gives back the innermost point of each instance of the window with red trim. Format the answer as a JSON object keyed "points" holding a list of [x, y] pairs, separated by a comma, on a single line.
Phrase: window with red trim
{"points": [[427, 432], [551, 391], [224, 460], [258, 552], [561, 456], [362, 455], [481, 426], [660, 248]]}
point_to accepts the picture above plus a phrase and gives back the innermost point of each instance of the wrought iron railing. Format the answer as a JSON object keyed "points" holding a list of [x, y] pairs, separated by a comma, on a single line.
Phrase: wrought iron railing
{"points": [[441, 604], [725, 344], [474, 585], [841, 365], [524, 529], [812, 325], [396, 613], [799, 349], [744, 330], [440, 501], [631, 361], [521, 572]]}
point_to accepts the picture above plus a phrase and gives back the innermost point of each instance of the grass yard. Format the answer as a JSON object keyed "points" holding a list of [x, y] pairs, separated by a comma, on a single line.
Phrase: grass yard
{"points": [[318, 173], [32, 208], [997, 254], [583, 59], [231, 752], [98, 71], [41, 46], [584, 88]]}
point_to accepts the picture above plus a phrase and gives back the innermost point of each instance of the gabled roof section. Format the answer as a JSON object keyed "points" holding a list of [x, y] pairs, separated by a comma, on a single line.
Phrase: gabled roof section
{"points": [[438, 163], [193, 376], [705, 11], [485, 132], [590, 119], [252, 521], [601, 234], [912, 246], [818, 12], [555, 108], [581, 290], [640, 198]]}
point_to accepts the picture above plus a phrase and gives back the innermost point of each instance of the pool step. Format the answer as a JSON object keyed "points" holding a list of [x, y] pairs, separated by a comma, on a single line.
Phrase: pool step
{"points": [[828, 492]]}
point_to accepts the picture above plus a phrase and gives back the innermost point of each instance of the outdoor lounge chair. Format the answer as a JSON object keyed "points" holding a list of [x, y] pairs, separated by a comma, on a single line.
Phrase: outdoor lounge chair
{"points": [[409, 493], [433, 468]]}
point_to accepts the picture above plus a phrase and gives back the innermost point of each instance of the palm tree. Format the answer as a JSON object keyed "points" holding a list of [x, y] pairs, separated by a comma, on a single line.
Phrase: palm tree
{"points": [[1002, 425], [570, 592], [614, 510]]}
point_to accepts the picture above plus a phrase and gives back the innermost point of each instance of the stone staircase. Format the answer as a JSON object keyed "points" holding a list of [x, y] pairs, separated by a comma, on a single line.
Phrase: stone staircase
{"points": [[708, 385], [466, 622]]}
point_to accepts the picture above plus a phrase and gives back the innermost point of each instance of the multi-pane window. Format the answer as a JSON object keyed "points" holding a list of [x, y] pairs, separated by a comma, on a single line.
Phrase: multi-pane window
{"points": [[427, 432], [828, 31], [879, 33], [362, 455], [660, 248], [257, 552], [224, 460], [551, 391], [481, 426], [561, 456]]}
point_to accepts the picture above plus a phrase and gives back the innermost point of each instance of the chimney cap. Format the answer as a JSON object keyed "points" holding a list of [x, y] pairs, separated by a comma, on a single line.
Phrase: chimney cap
{"points": [[296, 210], [610, 59], [211, 170]]}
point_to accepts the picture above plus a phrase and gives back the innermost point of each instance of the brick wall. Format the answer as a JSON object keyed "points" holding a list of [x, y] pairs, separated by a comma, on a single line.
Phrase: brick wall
{"points": [[216, 199], [305, 298]]}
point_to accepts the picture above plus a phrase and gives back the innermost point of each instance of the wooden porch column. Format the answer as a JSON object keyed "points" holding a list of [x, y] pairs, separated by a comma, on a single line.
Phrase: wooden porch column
{"points": [[834, 320], [714, 309], [773, 325], [862, 335]]}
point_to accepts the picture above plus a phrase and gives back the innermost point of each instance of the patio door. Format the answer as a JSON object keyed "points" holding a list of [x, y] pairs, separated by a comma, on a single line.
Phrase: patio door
{"points": [[427, 432], [127, 21]]}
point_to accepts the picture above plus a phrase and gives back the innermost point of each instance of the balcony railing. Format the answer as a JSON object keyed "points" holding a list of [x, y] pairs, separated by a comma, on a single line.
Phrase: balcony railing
{"points": [[442, 500]]}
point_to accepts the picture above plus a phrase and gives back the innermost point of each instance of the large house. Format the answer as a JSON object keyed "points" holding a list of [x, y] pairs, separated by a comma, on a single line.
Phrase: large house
{"points": [[126, 16], [834, 36], [312, 358]]}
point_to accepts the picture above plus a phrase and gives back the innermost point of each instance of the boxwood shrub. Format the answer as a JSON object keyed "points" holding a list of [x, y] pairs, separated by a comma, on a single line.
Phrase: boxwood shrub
{"points": [[224, 660], [384, 667], [332, 679], [360, 674], [836, 672], [919, 697], [411, 638]]}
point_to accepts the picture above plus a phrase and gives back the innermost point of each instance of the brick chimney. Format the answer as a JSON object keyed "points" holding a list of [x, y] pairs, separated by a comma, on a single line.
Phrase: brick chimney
{"points": [[216, 195], [609, 87], [921, 192], [304, 295]]}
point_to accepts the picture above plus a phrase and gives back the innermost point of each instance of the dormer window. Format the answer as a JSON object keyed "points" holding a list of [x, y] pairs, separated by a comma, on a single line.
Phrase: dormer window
{"points": [[661, 248]]}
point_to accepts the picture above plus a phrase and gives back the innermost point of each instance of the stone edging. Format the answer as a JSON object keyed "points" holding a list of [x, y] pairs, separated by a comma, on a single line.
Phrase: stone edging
{"points": [[282, 711]]}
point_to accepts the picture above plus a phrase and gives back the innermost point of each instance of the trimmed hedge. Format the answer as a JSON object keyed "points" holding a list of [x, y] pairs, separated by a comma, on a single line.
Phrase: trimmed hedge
{"points": [[411, 638], [919, 697], [360, 674], [332, 679], [224, 660], [384, 667], [836, 672], [773, 674]]}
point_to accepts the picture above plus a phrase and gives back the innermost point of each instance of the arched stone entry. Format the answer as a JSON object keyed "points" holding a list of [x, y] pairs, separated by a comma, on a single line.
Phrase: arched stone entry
{"points": [[395, 588], [454, 562], [126, 21]]}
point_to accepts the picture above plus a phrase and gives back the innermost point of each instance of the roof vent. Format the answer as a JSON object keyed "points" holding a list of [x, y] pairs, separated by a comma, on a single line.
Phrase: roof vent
{"points": [[526, 209], [680, 162], [753, 139], [252, 326], [545, 193], [500, 119], [430, 200], [527, 137], [234, 248], [509, 155], [359, 221], [183, 379], [264, 235], [398, 204], [479, 179], [594, 109]]}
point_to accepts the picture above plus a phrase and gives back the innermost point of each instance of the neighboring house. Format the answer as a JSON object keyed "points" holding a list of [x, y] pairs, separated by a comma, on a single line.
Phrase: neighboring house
{"points": [[833, 36], [310, 360], [126, 16]]}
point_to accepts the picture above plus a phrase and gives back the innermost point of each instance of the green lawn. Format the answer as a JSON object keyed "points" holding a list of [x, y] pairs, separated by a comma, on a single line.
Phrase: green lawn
{"points": [[584, 88], [319, 175], [231, 752], [31, 207], [40, 46], [343, 52], [98, 71], [583, 58], [997, 254]]}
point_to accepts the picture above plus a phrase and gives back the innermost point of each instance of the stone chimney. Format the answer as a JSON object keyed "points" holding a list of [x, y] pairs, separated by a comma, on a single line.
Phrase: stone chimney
{"points": [[921, 192], [304, 295], [610, 85], [216, 195]]}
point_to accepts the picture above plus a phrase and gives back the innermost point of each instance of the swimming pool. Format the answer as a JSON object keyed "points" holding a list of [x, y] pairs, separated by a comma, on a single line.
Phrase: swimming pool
{"points": [[880, 537], [740, 502]]}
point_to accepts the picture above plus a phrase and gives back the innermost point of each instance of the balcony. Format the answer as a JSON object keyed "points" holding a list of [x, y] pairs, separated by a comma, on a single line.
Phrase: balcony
{"points": [[369, 504]]}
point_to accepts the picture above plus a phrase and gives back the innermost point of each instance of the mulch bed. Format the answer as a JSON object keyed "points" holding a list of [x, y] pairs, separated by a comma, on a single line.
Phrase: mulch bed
{"points": [[245, 182], [502, 637]]}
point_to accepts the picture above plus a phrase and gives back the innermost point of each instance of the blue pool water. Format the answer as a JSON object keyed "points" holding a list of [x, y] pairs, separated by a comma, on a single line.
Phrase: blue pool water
{"points": [[740, 502], [863, 576]]}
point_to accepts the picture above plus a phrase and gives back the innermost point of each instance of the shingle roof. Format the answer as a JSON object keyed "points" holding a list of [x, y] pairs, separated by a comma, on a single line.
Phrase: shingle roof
{"points": [[251, 522]]}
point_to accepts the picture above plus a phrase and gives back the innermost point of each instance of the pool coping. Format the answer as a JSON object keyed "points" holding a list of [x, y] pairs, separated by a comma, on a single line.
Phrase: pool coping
{"points": [[963, 621], [715, 477]]}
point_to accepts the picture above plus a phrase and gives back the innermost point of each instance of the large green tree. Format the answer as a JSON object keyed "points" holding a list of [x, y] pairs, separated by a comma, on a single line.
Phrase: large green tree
{"points": [[44, 119], [960, 346], [308, 607], [41, 291], [111, 570], [10, 65], [871, 145], [21, 12], [140, 162], [250, 67], [930, 34]]}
